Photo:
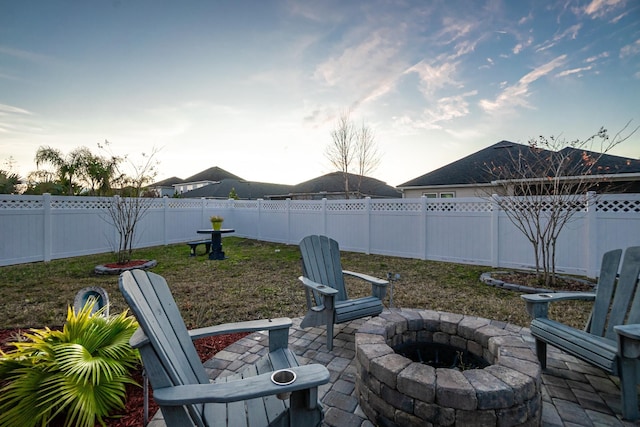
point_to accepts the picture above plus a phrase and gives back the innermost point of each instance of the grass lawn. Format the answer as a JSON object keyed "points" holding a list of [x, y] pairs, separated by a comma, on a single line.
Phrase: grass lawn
{"points": [[258, 280]]}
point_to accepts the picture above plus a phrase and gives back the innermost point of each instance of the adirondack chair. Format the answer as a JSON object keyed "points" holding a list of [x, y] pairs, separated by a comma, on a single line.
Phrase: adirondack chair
{"points": [[179, 381], [611, 339], [326, 294]]}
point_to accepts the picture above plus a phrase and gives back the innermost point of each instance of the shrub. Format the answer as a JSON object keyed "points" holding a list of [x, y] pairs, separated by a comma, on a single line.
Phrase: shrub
{"points": [[76, 376]]}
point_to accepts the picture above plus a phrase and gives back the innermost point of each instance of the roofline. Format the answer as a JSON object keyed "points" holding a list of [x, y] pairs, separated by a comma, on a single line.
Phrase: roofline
{"points": [[601, 177], [426, 187], [197, 182]]}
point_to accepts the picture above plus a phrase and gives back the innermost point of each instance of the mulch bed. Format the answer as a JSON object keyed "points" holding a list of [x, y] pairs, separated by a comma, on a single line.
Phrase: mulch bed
{"points": [[563, 283], [206, 347]]}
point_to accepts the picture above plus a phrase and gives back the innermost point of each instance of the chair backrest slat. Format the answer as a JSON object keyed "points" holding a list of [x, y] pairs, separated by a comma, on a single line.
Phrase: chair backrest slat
{"points": [[151, 302], [606, 286], [623, 294], [321, 263], [629, 275]]}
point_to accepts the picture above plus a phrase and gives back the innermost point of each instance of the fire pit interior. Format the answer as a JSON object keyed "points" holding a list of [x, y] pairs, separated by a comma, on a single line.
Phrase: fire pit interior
{"points": [[440, 355], [422, 367]]}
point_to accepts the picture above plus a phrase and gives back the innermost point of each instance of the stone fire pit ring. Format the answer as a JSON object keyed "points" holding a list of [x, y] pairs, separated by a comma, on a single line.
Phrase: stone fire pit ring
{"points": [[395, 391]]}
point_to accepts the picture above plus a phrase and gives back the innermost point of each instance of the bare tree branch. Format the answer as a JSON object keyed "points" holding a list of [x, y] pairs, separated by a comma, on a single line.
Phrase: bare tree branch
{"points": [[542, 186]]}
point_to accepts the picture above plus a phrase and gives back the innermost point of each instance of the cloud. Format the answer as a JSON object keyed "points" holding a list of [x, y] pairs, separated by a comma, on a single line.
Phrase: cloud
{"points": [[365, 66], [446, 109], [571, 33], [450, 107], [10, 109], [26, 55], [515, 95], [596, 57], [520, 46], [434, 77], [573, 71], [600, 8], [630, 49], [525, 19], [454, 29]]}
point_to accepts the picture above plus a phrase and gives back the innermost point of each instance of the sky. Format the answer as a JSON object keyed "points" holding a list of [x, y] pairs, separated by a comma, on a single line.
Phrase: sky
{"points": [[256, 87]]}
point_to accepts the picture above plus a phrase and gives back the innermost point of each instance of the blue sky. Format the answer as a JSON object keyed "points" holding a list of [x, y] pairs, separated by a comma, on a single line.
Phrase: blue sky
{"points": [[255, 87]]}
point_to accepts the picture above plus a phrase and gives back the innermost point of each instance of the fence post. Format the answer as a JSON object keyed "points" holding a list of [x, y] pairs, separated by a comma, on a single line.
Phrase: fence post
{"points": [[259, 218], [423, 225], [203, 206], [367, 210], [592, 260], [288, 221], [495, 232], [47, 228], [324, 216], [165, 202]]}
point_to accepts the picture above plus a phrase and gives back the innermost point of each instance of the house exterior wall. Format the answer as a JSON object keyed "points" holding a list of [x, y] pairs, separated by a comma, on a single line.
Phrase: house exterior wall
{"points": [[447, 191], [188, 186]]}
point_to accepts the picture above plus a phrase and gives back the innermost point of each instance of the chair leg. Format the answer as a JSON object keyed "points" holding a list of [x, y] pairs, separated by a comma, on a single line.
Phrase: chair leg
{"points": [[303, 408], [145, 398], [330, 335], [628, 388], [541, 352]]}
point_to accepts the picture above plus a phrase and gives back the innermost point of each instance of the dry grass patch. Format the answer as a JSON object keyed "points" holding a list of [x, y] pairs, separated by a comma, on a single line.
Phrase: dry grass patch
{"points": [[258, 280]]}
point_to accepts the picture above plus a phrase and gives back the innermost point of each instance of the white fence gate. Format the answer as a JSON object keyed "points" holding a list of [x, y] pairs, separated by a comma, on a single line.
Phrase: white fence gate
{"points": [[463, 230]]}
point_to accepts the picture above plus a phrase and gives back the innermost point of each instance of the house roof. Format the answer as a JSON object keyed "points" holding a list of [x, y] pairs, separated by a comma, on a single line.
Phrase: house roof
{"points": [[475, 168], [169, 182], [212, 174], [334, 183], [244, 189]]}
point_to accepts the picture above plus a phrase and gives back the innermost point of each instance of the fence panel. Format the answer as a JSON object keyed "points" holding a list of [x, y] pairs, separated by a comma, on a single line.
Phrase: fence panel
{"points": [[464, 230], [21, 229]]}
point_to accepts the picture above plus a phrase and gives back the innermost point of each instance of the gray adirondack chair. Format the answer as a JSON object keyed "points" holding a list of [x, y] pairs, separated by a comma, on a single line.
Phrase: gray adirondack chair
{"points": [[179, 381], [326, 294], [611, 339]]}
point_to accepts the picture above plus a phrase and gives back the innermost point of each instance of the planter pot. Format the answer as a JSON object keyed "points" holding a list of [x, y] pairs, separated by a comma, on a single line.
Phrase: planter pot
{"points": [[217, 225]]}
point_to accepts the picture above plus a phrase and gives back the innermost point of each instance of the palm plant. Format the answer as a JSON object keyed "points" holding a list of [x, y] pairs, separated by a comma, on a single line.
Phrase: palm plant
{"points": [[8, 182], [76, 376]]}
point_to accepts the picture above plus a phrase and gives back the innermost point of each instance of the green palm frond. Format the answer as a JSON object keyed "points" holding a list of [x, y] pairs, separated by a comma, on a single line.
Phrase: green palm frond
{"points": [[78, 373]]}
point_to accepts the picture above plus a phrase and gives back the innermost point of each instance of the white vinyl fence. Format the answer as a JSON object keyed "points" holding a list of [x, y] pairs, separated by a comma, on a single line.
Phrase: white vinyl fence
{"points": [[462, 230]]}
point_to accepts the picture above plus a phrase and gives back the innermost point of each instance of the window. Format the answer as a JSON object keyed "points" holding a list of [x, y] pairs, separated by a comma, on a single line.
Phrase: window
{"points": [[443, 195]]}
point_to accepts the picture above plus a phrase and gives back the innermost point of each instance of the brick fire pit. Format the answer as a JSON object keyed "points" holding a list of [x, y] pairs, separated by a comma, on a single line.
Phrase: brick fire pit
{"points": [[396, 391]]}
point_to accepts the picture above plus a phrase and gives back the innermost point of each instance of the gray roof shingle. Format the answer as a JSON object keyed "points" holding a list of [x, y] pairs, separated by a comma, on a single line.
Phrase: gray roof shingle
{"points": [[476, 168]]}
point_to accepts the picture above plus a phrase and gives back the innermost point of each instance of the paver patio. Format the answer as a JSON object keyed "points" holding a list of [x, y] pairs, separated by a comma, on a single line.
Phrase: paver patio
{"points": [[574, 393]]}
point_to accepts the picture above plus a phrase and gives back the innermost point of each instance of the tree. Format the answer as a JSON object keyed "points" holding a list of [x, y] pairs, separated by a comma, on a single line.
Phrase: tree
{"points": [[351, 144], [233, 194], [9, 182], [341, 151], [126, 210], [67, 168], [542, 187], [367, 154], [99, 174]]}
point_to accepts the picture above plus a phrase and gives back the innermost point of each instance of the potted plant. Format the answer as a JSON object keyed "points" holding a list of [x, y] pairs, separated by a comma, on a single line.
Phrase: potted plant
{"points": [[216, 222]]}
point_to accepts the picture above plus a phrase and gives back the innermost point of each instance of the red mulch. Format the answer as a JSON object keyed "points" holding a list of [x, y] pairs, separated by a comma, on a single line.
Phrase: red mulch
{"points": [[206, 347], [132, 263]]}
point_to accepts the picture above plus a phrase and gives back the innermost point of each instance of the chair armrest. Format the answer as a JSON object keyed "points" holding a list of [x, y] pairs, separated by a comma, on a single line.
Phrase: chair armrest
{"points": [[248, 326], [307, 376], [320, 288], [538, 304], [628, 340], [138, 339], [366, 277]]}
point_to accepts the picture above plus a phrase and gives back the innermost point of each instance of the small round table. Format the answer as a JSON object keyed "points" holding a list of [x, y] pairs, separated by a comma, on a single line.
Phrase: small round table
{"points": [[216, 241]]}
